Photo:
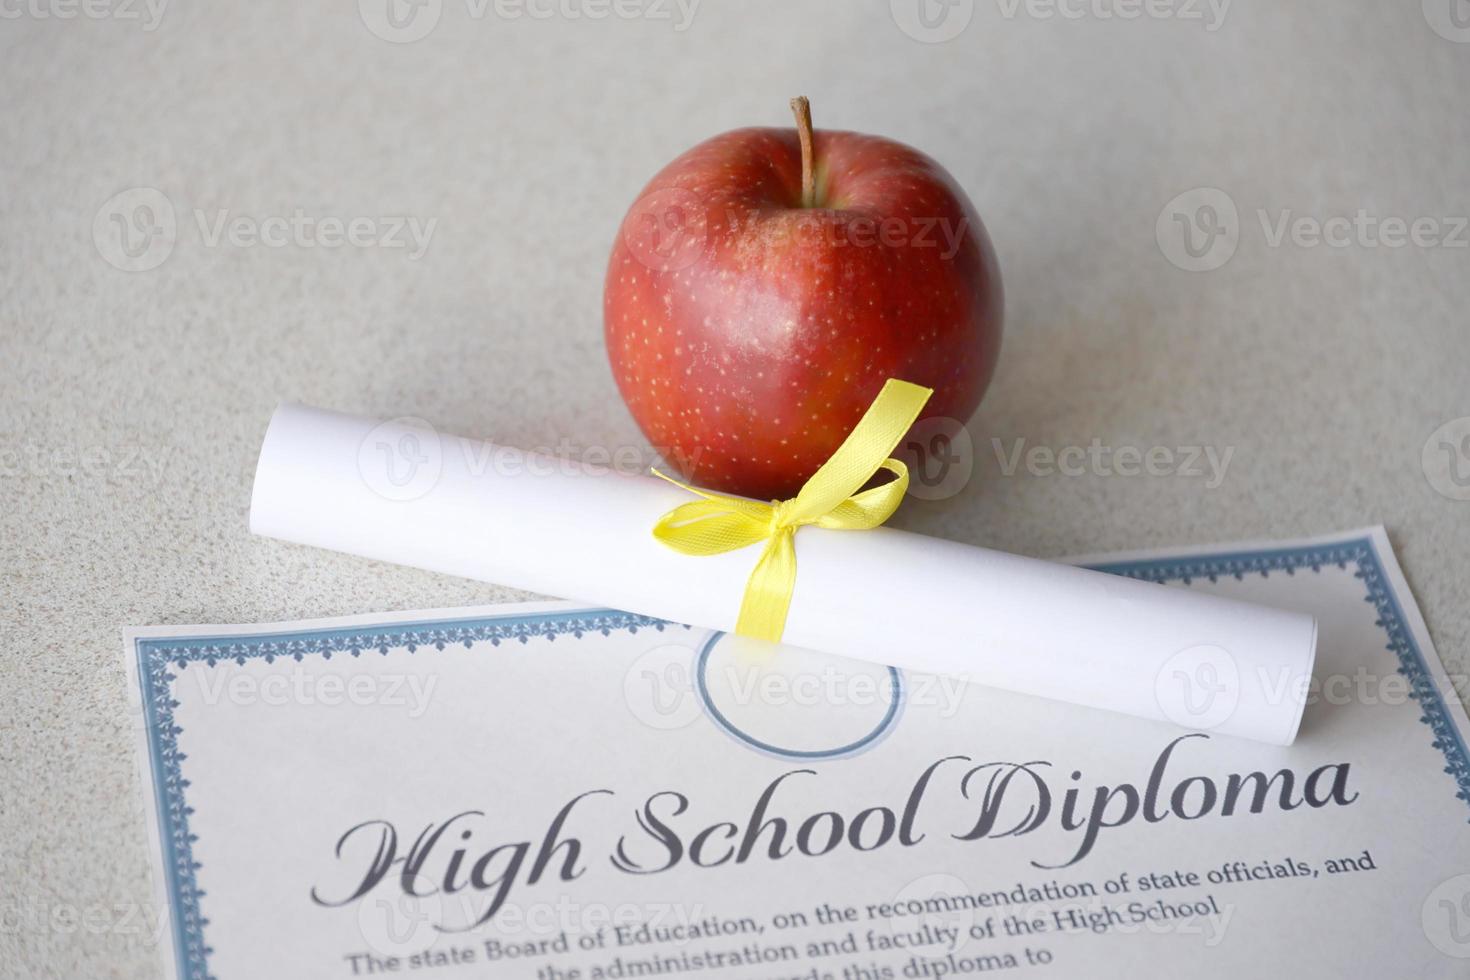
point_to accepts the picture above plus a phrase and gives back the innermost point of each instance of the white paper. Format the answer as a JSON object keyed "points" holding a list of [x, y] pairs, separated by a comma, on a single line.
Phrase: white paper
{"points": [[401, 492], [263, 746]]}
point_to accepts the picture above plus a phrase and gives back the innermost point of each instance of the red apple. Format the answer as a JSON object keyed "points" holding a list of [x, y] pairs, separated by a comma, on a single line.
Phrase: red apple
{"points": [[768, 282]]}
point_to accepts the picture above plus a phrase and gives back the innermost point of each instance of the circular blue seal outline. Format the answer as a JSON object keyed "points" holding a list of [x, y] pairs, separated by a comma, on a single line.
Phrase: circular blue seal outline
{"points": [[853, 748]]}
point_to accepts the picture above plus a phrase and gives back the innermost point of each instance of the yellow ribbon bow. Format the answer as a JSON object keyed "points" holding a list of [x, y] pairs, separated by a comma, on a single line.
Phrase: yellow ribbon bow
{"points": [[830, 499]]}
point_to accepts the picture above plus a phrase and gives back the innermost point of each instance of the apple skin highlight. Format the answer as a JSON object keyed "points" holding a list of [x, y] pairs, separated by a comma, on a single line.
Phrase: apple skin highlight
{"points": [[748, 334]]}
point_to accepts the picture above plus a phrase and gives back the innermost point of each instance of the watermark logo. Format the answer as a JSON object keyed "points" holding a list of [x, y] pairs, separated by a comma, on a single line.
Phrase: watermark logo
{"points": [[401, 460], [229, 683], [1446, 459], [1445, 917], [400, 21], [667, 229], [1363, 230], [940, 456], [1450, 19], [659, 688], [150, 12], [303, 230], [1207, 463], [943, 234], [29, 914], [400, 921], [135, 230], [787, 702], [1210, 13], [140, 464], [932, 21], [679, 13], [406, 21], [1199, 687], [1199, 230]]}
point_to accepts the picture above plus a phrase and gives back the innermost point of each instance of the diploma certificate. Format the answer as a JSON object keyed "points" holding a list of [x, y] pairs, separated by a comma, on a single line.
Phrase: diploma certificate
{"points": [[552, 791]]}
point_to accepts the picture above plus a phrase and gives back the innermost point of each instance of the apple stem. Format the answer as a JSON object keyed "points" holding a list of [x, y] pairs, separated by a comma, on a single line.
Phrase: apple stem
{"points": [[802, 109]]}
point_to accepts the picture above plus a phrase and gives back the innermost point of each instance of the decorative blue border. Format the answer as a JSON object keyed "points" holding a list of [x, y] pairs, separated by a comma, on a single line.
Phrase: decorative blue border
{"points": [[1364, 554], [157, 655], [890, 717]]}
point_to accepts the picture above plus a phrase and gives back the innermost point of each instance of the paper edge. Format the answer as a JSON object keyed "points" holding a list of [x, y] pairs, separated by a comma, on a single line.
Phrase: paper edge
{"points": [[1215, 548], [146, 793], [204, 631], [1449, 695], [255, 480]]}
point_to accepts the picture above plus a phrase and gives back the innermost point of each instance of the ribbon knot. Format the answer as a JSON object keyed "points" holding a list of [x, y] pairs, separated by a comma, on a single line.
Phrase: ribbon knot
{"points": [[782, 517], [833, 498]]}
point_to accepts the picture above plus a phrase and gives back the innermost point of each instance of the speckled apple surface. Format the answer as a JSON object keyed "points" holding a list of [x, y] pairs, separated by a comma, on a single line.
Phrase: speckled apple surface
{"points": [[132, 403]]}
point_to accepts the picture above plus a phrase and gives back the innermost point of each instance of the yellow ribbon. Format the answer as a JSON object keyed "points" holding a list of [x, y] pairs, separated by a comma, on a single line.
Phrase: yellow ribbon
{"points": [[830, 499]]}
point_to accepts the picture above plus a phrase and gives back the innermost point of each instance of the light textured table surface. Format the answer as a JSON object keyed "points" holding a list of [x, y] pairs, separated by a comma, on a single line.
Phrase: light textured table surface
{"points": [[133, 402]]}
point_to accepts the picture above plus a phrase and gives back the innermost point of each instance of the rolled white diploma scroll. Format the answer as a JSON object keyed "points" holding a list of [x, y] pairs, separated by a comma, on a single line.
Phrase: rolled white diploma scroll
{"points": [[403, 493]]}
